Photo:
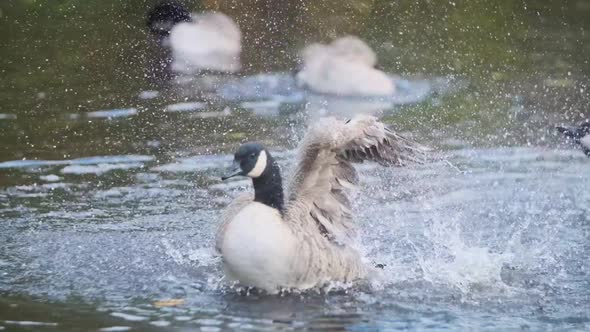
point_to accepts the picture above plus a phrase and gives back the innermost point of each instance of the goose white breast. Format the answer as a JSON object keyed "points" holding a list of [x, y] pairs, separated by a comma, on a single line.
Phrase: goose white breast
{"points": [[257, 244]]}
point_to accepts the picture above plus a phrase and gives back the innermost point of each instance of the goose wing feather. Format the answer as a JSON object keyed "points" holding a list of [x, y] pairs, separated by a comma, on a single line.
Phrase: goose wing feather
{"points": [[317, 192]]}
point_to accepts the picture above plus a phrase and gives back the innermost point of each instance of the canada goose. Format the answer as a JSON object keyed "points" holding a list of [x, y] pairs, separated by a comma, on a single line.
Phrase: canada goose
{"points": [[346, 67], [207, 41], [580, 134], [305, 240]]}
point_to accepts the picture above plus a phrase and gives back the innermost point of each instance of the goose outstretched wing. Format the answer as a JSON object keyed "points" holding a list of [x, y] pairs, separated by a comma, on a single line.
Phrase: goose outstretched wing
{"points": [[317, 192]]}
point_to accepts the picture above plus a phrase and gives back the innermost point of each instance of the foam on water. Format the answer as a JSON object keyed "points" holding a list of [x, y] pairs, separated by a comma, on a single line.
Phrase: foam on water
{"points": [[95, 160], [283, 88], [186, 107], [50, 178], [28, 323], [160, 323], [263, 108], [149, 94], [111, 159], [129, 317], [115, 328], [195, 163], [31, 163], [7, 116], [114, 113], [98, 168]]}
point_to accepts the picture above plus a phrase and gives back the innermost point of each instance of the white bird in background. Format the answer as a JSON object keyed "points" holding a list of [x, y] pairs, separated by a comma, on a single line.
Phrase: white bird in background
{"points": [[212, 41], [345, 67], [208, 41]]}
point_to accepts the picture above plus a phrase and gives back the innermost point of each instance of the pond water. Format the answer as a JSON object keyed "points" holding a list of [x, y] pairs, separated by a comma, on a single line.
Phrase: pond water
{"points": [[109, 178]]}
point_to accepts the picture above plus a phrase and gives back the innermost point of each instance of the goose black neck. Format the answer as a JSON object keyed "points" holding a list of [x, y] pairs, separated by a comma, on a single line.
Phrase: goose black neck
{"points": [[268, 187]]}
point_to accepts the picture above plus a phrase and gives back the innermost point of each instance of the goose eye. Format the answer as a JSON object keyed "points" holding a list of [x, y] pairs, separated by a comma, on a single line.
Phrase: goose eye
{"points": [[252, 156]]}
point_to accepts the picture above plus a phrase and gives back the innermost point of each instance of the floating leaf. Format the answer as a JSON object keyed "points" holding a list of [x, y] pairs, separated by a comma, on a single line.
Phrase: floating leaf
{"points": [[168, 303]]}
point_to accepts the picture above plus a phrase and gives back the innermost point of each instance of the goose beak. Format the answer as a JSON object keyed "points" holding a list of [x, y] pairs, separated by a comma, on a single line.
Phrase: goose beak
{"points": [[234, 170]]}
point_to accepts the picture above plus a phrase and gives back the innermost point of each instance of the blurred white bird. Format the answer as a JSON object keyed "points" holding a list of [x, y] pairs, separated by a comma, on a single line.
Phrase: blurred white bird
{"points": [[345, 67], [208, 41]]}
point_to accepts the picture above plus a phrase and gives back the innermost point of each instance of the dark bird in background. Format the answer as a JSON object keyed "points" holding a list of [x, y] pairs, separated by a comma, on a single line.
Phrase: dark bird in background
{"points": [[165, 15], [160, 20], [580, 134], [192, 43]]}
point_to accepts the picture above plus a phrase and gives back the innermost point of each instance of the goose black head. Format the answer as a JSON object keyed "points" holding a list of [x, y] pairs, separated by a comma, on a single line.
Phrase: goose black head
{"points": [[251, 159], [165, 15]]}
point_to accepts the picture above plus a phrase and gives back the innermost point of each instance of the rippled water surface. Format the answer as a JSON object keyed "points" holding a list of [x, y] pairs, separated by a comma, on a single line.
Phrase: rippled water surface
{"points": [[486, 238], [110, 191]]}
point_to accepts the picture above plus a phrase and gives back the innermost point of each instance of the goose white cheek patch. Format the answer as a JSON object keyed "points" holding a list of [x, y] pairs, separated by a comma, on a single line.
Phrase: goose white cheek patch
{"points": [[259, 167]]}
